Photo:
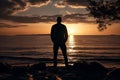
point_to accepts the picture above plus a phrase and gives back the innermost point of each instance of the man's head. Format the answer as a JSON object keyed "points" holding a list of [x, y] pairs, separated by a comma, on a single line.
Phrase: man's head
{"points": [[59, 20]]}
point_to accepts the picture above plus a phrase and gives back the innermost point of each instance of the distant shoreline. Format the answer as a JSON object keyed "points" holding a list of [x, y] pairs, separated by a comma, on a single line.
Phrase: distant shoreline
{"points": [[49, 35]]}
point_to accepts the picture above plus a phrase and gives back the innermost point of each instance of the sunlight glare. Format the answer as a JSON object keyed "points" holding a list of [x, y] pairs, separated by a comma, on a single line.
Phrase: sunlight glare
{"points": [[71, 41], [71, 31]]}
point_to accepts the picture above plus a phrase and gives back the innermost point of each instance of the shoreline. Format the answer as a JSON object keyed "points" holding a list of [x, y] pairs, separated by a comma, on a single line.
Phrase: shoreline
{"points": [[39, 71], [109, 63]]}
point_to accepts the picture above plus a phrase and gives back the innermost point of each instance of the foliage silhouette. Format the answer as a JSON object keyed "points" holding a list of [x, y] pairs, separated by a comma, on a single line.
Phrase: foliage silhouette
{"points": [[105, 12]]}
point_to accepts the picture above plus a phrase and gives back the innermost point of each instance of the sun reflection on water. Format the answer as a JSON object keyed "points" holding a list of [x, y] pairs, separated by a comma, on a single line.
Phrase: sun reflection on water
{"points": [[71, 41], [71, 44], [71, 51]]}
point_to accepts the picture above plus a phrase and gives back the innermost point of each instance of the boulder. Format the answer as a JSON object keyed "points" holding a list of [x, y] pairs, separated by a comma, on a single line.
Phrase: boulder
{"points": [[114, 75], [5, 68]]}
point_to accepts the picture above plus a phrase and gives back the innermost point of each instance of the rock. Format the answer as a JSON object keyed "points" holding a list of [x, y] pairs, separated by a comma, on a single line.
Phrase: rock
{"points": [[96, 66], [114, 75], [97, 71], [90, 71], [81, 66], [20, 71], [38, 67], [5, 68], [45, 76]]}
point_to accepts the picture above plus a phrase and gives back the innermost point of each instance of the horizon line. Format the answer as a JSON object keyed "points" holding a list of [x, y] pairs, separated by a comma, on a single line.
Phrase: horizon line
{"points": [[68, 35]]}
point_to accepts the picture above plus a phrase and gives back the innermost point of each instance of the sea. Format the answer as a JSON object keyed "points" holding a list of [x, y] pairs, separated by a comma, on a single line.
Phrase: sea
{"points": [[30, 49]]}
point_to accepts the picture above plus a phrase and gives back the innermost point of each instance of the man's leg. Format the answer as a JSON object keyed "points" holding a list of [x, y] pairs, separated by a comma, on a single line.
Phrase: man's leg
{"points": [[64, 52], [55, 49]]}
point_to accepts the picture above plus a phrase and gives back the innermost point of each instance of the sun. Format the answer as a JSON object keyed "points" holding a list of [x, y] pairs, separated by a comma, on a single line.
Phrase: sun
{"points": [[71, 32]]}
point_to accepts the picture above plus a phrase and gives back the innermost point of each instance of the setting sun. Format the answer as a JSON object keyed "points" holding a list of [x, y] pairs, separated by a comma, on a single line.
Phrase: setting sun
{"points": [[71, 31]]}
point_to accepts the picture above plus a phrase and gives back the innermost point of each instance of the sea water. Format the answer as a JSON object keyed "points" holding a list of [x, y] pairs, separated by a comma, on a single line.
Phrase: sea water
{"points": [[30, 49]]}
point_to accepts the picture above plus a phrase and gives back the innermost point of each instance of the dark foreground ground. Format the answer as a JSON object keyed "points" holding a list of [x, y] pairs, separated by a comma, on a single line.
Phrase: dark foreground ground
{"points": [[78, 71]]}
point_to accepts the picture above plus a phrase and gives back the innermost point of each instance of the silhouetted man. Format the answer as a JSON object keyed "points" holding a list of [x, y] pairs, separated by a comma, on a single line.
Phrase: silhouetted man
{"points": [[59, 36]]}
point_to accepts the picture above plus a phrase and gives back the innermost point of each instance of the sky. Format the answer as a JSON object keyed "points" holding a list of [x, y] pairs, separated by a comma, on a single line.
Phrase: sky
{"points": [[21, 17]]}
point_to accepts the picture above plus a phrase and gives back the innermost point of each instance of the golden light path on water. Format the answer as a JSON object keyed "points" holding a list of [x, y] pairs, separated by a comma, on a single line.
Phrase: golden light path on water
{"points": [[71, 41], [71, 45]]}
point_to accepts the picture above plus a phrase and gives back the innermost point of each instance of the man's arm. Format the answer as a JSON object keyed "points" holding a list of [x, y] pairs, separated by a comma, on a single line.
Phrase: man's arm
{"points": [[52, 34], [66, 34]]}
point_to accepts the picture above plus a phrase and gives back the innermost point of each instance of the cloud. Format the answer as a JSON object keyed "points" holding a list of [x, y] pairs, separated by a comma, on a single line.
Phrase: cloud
{"points": [[23, 21], [9, 7], [78, 18], [7, 25], [72, 3], [28, 19], [71, 18], [60, 4], [38, 3], [77, 3], [69, 12]]}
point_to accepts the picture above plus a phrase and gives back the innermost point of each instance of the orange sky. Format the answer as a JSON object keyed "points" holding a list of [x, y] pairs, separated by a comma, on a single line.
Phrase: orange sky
{"points": [[73, 29]]}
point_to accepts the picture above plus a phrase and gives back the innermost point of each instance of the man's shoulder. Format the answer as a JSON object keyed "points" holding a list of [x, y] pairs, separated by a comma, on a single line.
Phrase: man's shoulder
{"points": [[62, 24], [54, 25], [58, 25]]}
